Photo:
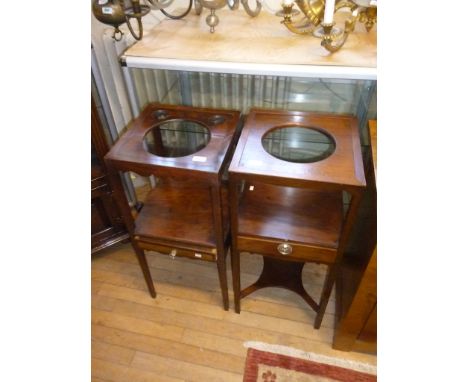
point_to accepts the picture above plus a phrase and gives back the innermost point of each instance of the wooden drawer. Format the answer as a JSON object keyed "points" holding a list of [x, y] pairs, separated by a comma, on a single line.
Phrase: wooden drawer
{"points": [[299, 252], [177, 251]]}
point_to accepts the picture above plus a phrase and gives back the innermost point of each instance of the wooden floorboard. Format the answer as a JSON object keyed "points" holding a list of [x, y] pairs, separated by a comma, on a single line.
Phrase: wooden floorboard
{"points": [[187, 273], [184, 334], [113, 353], [174, 350], [113, 372]]}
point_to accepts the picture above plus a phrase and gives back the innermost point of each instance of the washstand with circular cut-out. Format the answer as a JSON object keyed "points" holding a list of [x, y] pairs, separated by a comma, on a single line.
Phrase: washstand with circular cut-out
{"points": [[187, 150], [287, 181]]}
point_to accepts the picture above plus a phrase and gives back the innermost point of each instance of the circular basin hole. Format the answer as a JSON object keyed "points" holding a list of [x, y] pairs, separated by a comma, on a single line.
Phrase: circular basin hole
{"points": [[298, 144], [176, 138]]}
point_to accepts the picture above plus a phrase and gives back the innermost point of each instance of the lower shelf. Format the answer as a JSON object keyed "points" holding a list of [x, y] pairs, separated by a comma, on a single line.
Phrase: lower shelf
{"points": [[292, 214], [179, 212]]}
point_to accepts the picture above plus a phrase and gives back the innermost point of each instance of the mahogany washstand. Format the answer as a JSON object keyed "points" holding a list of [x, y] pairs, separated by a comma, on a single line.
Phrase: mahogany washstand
{"points": [[186, 213], [286, 184]]}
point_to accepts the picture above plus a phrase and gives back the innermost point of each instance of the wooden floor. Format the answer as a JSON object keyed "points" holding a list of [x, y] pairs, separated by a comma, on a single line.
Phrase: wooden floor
{"points": [[184, 334]]}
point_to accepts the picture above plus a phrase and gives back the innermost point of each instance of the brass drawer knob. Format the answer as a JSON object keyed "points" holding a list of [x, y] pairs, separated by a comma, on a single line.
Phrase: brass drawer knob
{"points": [[284, 249], [173, 253]]}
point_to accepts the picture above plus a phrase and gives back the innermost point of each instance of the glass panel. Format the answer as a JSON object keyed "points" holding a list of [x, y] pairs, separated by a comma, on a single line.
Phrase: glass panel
{"points": [[242, 92], [176, 138], [298, 144]]}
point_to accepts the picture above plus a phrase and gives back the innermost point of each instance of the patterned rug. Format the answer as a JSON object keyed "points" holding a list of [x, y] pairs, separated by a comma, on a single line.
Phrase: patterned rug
{"points": [[263, 366]]}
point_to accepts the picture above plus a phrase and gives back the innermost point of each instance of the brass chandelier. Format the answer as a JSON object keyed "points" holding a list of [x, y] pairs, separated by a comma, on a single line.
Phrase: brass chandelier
{"points": [[319, 19], [318, 15], [117, 12]]}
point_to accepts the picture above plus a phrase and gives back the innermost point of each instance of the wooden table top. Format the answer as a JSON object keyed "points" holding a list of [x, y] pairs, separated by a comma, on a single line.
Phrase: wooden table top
{"points": [[243, 40], [129, 153], [342, 169]]}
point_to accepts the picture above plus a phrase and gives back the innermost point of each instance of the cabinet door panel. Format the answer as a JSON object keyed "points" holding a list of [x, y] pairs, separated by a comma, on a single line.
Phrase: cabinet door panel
{"points": [[107, 227]]}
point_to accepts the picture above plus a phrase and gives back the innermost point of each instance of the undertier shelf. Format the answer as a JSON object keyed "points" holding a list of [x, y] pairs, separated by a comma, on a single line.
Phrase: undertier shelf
{"points": [[179, 212], [293, 214]]}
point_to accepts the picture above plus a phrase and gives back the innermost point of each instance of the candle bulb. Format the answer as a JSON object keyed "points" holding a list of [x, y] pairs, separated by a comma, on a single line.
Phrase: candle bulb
{"points": [[329, 11], [287, 3]]}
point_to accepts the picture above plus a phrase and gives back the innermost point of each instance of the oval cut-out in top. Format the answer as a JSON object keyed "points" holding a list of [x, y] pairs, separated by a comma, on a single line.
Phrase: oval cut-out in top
{"points": [[298, 144], [176, 138]]}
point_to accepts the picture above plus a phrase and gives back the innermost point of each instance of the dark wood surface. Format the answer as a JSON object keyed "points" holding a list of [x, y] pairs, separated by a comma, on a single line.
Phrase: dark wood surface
{"points": [[356, 328], [356, 302], [282, 274], [343, 167], [107, 227], [368, 333], [294, 214], [283, 209], [129, 152], [179, 211], [185, 213]]}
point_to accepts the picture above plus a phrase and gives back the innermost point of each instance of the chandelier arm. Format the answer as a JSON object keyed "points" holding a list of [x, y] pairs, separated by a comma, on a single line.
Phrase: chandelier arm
{"points": [[189, 8], [136, 11], [346, 4], [312, 10], [159, 4], [140, 27], [331, 42], [235, 4], [213, 4], [368, 17], [350, 24], [198, 7], [249, 11], [333, 45], [304, 30]]}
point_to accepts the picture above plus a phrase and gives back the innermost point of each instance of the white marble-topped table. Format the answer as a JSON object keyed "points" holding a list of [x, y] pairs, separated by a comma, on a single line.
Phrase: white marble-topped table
{"points": [[245, 45]]}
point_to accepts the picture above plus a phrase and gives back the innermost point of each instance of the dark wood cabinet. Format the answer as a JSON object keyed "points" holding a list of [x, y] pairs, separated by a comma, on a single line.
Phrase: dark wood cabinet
{"points": [[107, 227]]}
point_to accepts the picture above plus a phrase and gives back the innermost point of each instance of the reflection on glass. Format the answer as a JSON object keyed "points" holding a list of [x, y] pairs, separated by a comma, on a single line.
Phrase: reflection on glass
{"points": [[298, 144], [176, 138]]}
